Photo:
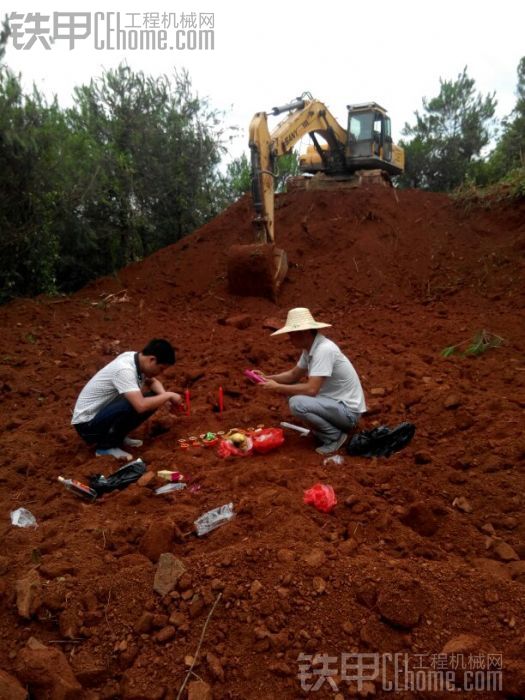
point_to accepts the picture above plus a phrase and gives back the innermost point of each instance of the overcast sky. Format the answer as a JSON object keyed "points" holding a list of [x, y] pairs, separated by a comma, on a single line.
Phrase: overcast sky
{"points": [[266, 53]]}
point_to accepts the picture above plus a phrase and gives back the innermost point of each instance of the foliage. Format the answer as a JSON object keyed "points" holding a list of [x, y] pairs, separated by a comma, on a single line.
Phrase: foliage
{"points": [[4, 35], [509, 153], [480, 343], [131, 167], [448, 136], [510, 187], [239, 176], [285, 167], [29, 246]]}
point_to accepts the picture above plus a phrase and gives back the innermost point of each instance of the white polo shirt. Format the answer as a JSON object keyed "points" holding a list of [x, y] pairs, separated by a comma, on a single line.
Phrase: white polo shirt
{"points": [[325, 359], [116, 378]]}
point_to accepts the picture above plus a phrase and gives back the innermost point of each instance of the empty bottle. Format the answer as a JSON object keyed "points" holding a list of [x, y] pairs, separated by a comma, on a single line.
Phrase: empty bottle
{"points": [[213, 518], [172, 486], [78, 488]]}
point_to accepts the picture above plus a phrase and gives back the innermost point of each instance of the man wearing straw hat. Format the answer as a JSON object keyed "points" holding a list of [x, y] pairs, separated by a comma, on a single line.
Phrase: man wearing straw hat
{"points": [[323, 387]]}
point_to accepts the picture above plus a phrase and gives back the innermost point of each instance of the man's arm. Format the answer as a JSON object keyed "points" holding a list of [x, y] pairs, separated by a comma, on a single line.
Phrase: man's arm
{"points": [[309, 388], [142, 403], [154, 385], [291, 376]]}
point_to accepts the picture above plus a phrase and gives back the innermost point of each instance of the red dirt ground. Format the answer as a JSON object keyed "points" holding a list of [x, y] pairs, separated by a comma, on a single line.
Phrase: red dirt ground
{"points": [[394, 568]]}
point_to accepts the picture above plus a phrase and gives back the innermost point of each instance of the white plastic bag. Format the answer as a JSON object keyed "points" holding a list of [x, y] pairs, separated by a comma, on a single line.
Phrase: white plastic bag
{"points": [[213, 518], [335, 459], [23, 518]]}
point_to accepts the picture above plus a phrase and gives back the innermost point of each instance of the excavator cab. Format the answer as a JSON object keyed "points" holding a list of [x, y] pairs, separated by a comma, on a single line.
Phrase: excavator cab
{"points": [[369, 143]]}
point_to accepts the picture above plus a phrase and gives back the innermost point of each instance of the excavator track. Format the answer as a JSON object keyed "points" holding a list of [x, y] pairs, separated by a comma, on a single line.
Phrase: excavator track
{"points": [[320, 181]]}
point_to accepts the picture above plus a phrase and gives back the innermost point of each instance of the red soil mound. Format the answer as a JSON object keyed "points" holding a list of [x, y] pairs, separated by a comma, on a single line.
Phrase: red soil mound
{"points": [[396, 567]]}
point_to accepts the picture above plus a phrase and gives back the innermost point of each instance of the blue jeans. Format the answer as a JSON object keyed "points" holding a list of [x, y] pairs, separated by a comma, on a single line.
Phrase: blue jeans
{"points": [[329, 418], [112, 423]]}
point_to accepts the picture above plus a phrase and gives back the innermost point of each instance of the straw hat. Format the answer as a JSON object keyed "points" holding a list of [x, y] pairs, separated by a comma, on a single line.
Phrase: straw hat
{"points": [[300, 319]]}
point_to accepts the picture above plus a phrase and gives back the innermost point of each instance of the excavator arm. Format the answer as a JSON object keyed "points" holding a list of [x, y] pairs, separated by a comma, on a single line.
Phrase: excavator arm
{"points": [[306, 117]]}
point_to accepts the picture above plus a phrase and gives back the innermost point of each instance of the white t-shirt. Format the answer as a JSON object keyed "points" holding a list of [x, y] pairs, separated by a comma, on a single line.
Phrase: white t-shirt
{"points": [[116, 378], [325, 359]]}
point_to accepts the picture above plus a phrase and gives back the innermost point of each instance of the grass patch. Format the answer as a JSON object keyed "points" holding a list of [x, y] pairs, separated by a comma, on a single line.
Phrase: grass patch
{"points": [[477, 345], [511, 187]]}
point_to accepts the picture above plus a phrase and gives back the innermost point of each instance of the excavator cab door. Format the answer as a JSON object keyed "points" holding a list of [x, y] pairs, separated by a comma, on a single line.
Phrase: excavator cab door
{"points": [[360, 136], [387, 139]]}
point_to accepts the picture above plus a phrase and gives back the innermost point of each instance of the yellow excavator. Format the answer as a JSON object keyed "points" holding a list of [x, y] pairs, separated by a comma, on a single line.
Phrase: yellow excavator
{"points": [[366, 145]]}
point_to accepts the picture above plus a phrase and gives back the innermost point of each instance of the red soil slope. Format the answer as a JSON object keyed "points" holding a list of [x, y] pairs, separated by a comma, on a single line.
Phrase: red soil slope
{"points": [[394, 568]]}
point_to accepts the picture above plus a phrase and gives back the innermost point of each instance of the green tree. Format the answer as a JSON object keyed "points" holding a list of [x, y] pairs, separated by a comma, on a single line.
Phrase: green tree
{"points": [[510, 149], [448, 136], [5, 33], [28, 245], [131, 167], [161, 147], [238, 177], [286, 166]]}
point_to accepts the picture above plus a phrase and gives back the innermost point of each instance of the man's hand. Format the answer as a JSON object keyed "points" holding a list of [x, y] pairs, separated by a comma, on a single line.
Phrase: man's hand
{"points": [[257, 377], [174, 399], [143, 403], [270, 384]]}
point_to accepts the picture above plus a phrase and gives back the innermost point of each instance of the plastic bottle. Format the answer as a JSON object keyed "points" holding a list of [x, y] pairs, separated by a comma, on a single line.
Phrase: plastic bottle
{"points": [[172, 486], [78, 488], [213, 518], [298, 428]]}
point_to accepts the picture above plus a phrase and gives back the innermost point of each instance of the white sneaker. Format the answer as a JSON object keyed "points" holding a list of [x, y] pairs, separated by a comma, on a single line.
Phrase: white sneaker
{"points": [[114, 452], [132, 442]]}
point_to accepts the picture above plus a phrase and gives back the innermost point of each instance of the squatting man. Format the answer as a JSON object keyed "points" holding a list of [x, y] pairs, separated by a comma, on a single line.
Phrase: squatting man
{"points": [[121, 396], [323, 387]]}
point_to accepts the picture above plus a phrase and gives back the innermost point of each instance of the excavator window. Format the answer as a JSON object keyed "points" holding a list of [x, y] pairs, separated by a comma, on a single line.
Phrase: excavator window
{"points": [[361, 126], [377, 135]]}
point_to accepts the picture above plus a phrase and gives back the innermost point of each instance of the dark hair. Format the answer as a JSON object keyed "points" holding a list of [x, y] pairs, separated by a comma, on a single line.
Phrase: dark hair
{"points": [[162, 350]]}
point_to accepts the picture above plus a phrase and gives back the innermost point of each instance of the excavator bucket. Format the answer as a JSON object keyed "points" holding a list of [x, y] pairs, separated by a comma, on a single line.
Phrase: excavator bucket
{"points": [[256, 270]]}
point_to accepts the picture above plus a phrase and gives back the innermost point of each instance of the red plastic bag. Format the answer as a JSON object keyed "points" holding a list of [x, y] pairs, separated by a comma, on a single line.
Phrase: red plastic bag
{"points": [[267, 439], [322, 496], [226, 448]]}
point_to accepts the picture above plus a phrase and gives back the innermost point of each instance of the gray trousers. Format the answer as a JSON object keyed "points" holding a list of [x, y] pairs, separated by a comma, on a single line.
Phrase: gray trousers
{"points": [[329, 418]]}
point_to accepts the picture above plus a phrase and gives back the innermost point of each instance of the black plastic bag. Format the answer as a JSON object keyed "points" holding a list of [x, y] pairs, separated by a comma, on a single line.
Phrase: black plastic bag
{"points": [[119, 480], [381, 441]]}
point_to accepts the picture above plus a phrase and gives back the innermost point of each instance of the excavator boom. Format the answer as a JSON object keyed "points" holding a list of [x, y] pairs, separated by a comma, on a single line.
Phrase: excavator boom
{"points": [[309, 117]]}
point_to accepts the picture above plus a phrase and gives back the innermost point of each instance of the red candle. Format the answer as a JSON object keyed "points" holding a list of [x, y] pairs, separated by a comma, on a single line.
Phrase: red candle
{"points": [[188, 401], [221, 399]]}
